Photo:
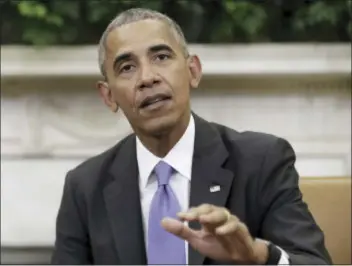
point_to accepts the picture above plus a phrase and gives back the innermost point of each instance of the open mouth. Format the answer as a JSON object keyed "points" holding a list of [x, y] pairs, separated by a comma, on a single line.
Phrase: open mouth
{"points": [[154, 99]]}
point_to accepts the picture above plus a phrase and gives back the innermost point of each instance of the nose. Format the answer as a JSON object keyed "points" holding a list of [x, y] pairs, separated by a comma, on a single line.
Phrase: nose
{"points": [[148, 77]]}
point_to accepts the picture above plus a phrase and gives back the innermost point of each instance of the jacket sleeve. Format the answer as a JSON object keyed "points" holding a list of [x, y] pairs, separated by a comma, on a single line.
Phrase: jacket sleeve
{"points": [[72, 240], [287, 221]]}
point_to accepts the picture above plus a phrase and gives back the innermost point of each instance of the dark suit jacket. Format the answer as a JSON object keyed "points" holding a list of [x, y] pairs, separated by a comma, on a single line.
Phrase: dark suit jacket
{"points": [[100, 220]]}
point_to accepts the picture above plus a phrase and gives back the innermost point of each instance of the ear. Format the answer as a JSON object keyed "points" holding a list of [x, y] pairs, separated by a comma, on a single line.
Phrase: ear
{"points": [[107, 96], [195, 68]]}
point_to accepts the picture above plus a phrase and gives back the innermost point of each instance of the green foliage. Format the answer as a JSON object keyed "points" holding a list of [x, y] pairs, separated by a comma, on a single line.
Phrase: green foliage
{"points": [[246, 18], [322, 18], [46, 22]]}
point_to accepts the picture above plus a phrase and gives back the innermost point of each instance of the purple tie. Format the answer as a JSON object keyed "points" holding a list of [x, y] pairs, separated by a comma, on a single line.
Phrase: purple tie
{"points": [[163, 247]]}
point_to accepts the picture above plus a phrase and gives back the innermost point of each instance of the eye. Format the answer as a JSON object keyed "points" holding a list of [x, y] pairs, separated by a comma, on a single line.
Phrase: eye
{"points": [[126, 68], [162, 57]]}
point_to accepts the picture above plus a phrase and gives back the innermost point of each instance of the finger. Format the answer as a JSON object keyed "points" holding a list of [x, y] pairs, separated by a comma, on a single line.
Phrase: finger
{"points": [[194, 213], [178, 228], [217, 217], [228, 228], [187, 215], [234, 235], [243, 234]]}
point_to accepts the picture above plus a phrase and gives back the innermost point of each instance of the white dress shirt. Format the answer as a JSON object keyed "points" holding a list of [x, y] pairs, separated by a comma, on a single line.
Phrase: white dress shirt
{"points": [[180, 158]]}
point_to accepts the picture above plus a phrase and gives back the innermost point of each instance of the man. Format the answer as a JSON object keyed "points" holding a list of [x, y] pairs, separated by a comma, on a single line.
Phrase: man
{"points": [[180, 190]]}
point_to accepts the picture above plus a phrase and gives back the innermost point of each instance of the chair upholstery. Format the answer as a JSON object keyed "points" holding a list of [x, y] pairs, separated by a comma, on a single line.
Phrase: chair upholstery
{"points": [[329, 200]]}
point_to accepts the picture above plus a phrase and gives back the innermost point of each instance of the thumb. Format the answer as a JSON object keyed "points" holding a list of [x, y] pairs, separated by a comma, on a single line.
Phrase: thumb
{"points": [[178, 228]]}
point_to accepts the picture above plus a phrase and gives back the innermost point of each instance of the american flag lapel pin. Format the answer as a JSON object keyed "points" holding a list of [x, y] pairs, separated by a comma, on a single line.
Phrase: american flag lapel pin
{"points": [[215, 188]]}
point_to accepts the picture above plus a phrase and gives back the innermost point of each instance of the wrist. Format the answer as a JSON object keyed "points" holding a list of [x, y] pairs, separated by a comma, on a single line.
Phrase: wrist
{"points": [[261, 252]]}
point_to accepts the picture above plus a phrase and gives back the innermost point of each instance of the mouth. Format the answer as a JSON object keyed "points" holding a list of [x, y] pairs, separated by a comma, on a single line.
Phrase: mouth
{"points": [[151, 100]]}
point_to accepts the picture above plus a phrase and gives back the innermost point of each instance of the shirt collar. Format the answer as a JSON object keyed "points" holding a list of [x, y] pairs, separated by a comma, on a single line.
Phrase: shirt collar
{"points": [[179, 157]]}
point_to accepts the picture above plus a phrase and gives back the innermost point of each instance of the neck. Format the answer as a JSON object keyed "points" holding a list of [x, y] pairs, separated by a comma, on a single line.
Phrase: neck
{"points": [[160, 145]]}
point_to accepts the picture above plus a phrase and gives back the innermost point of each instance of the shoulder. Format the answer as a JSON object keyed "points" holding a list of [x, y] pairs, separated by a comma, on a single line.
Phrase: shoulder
{"points": [[90, 171], [263, 159], [252, 143]]}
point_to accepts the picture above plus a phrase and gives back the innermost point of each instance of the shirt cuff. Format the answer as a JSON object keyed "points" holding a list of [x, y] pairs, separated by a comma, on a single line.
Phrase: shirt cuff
{"points": [[284, 259]]}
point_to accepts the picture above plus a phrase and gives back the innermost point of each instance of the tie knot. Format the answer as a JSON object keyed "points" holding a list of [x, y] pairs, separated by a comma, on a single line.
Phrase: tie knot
{"points": [[163, 173]]}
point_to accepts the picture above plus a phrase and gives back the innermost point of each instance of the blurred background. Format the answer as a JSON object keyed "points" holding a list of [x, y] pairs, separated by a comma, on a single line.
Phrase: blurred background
{"points": [[277, 66]]}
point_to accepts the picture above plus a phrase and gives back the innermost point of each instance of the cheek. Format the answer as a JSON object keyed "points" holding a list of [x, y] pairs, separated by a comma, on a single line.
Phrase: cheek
{"points": [[183, 82], [178, 77], [124, 96]]}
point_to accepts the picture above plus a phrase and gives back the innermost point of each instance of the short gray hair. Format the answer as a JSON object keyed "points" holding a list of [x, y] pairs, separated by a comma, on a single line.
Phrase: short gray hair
{"points": [[134, 15]]}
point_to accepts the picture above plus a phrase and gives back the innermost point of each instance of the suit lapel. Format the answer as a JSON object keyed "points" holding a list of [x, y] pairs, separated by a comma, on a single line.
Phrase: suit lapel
{"points": [[122, 200], [210, 183]]}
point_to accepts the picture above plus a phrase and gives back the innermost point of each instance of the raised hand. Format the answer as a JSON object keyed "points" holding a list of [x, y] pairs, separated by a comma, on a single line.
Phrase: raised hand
{"points": [[222, 237]]}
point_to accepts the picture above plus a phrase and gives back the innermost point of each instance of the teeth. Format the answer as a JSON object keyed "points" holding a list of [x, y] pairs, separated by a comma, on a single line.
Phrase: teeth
{"points": [[154, 101]]}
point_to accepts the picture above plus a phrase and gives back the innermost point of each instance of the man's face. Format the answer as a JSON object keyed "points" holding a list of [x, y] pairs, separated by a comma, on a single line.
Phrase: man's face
{"points": [[148, 76]]}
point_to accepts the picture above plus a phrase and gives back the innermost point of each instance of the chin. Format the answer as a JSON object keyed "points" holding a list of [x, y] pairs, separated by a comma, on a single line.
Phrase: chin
{"points": [[160, 125]]}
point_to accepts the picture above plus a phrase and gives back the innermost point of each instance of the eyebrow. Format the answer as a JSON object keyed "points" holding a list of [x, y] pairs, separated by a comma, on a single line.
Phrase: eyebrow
{"points": [[160, 47], [121, 58], [153, 49]]}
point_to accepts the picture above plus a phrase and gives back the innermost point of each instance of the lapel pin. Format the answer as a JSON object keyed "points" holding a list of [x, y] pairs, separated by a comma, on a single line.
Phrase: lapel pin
{"points": [[214, 188]]}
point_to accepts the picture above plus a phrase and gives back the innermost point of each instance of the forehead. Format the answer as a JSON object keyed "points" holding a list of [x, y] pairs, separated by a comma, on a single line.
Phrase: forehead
{"points": [[137, 36]]}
